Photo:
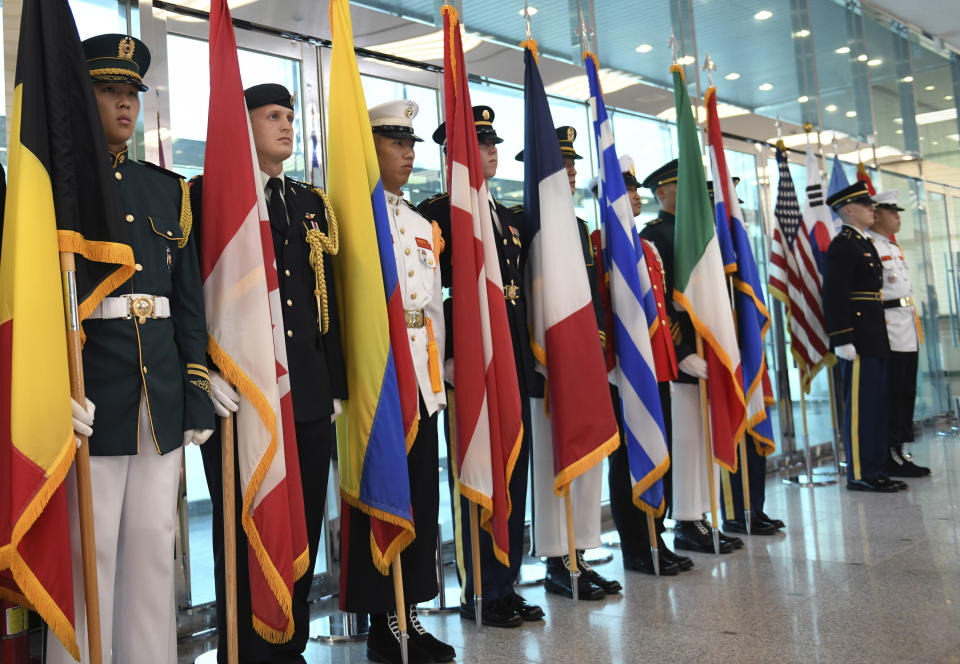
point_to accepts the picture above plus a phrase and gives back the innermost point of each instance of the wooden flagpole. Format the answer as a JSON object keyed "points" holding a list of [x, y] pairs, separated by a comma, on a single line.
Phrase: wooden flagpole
{"points": [[227, 463], [84, 487], [475, 556], [744, 475], [401, 607], [654, 545], [572, 546], [705, 417]]}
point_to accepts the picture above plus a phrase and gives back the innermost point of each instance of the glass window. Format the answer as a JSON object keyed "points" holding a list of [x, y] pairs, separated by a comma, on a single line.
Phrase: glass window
{"points": [[651, 144]]}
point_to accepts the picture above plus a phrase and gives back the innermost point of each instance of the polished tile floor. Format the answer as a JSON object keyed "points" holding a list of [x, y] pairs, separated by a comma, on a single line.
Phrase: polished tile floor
{"points": [[854, 578]]}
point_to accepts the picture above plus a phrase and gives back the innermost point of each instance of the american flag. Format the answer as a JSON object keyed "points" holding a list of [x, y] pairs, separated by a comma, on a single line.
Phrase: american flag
{"points": [[795, 279]]}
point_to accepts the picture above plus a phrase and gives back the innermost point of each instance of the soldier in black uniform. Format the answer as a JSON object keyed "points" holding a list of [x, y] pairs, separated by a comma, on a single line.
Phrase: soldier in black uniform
{"points": [[502, 606], [853, 307], [691, 531], [144, 365], [315, 359], [549, 521]]}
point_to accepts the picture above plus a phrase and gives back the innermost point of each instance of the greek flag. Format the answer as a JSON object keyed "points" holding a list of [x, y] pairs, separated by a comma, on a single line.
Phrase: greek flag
{"points": [[634, 311]]}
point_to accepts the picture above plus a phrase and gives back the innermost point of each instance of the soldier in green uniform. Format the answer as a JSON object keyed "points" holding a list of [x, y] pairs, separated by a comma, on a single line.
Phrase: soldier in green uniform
{"points": [[144, 365]]}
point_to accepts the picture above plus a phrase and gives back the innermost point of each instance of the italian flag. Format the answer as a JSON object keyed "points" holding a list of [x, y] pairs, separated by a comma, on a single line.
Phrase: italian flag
{"points": [[700, 286]]}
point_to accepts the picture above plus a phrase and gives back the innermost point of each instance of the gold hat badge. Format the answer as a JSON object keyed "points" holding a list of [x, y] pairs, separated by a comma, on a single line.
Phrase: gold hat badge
{"points": [[571, 134], [125, 49]]}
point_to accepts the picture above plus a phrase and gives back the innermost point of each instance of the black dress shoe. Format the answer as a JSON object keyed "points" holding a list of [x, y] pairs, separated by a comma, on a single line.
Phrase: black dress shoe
{"points": [[899, 466], [383, 642], [900, 484], [494, 613], [757, 527], [735, 542], [776, 523], [427, 642], [527, 612], [694, 536], [684, 562], [874, 485], [645, 565], [558, 581], [610, 586]]}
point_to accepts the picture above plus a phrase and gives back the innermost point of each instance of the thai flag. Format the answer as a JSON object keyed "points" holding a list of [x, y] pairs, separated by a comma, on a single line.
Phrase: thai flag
{"points": [[631, 294]]}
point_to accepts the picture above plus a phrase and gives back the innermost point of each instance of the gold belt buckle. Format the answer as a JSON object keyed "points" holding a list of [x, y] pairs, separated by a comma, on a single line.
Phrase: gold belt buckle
{"points": [[143, 308], [511, 292], [906, 301], [414, 318]]}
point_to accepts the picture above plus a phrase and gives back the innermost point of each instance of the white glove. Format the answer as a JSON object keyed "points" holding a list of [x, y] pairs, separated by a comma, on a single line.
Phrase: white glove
{"points": [[196, 436], [225, 399], [337, 410], [846, 352], [694, 365], [82, 419]]}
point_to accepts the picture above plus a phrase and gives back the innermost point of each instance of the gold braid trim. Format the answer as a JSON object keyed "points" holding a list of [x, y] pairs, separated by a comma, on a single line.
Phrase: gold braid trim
{"points": [[321, 243], [186, 214]]}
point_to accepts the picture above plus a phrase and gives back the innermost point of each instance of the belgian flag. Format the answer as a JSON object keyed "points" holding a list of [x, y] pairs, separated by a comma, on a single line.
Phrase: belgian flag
{"points": [[61, 196]]}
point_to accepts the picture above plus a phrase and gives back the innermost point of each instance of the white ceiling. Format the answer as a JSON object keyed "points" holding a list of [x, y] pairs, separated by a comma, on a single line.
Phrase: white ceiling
{"points": [[937, 18]]}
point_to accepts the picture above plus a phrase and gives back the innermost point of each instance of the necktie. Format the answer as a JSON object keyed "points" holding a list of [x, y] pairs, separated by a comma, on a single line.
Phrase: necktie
{"points": [[276, 207]]}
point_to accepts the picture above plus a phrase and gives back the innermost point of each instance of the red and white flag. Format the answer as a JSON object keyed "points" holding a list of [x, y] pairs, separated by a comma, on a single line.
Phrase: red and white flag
{"points": [[242, 300], [488, 417]]}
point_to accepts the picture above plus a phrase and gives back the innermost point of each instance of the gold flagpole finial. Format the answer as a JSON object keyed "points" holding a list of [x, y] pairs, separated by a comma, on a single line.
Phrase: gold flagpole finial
{"points": [[674, 47], [709, 66]]}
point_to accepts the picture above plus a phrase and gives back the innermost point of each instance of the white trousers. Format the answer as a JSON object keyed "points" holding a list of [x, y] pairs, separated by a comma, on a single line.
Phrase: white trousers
{"points": [[549, 513], [688, 462], [135, 522]]}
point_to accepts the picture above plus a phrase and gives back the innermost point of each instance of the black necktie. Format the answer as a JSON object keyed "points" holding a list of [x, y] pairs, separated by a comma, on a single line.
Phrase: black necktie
{"points": [[276, 207]]}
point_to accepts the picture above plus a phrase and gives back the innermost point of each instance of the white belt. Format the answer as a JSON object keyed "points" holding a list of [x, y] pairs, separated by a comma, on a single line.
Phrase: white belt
{"points": [[137, 304]]}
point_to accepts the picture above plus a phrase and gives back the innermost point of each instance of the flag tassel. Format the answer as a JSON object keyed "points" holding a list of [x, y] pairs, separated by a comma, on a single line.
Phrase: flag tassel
{"points": [[572, 546], [229, 536], [654, 545], [475, 556], [401, 608], [84, 489], [705, 416]]}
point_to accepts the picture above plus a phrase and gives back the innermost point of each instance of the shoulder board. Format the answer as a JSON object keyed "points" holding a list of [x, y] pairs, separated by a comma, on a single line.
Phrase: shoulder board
{"points": [[435, 197], [304, 185], [846, 232], [517, 209], [161, 169], [654, 221]]}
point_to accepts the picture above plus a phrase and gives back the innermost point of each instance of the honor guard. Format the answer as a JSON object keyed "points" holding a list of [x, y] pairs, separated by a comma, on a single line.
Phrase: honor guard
{"points": [[502, 606], [300, 222], [731, 484], [549, 516], [903, 333], [144, 366], [416, 245], [681, 399], [853, 308]]}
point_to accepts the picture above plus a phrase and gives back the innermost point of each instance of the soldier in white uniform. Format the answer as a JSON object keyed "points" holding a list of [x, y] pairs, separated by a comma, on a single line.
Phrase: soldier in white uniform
{"points": [[417, 243], [903, 331]]}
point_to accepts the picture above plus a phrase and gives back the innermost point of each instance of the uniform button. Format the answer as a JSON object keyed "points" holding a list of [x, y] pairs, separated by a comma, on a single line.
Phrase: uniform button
{"points": [[287, 272], [138, 267], [289, 333], [406, 251], [118, 175], [289, 303], [413, 296], [413, 337], [410, 273], [144, 368], [129, 217], [170, 233], [858, 313], [660, 304], [402, 230], [504, 241], [286, 242], [508, 261]]}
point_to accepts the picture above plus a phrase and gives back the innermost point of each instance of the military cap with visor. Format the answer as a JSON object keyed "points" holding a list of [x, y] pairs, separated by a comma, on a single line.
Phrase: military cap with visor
{"points": [[118, 58], [269, 93], [855, 193], [889, 200], [663, 175], [482, 119], [565, 136], [395, 119]]}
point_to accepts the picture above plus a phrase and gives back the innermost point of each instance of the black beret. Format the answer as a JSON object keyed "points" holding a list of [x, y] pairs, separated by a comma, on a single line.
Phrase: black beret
{"points": [[268, 93], [116, 57]]}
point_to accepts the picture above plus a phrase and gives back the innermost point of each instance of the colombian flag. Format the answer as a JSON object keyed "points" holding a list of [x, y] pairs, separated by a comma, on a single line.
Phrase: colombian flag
{"points": [[60, 197], [381, 414]]}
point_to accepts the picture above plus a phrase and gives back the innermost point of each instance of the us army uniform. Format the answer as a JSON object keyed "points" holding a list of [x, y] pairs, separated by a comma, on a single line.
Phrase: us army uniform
{"points": [[144, 364]]}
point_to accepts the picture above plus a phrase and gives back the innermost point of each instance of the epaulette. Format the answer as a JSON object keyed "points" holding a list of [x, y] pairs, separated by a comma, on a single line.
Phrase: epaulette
{"points": [[435, 197], [846, 232], [161, 169], [653, 222]]}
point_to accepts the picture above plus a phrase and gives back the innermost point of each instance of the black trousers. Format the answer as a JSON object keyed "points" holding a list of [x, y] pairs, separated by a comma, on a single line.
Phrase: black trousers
{"points": [[864, 425], [732, 484], [901, 396], [363, 589], [314, 448], [497, 580], [630, 521]]}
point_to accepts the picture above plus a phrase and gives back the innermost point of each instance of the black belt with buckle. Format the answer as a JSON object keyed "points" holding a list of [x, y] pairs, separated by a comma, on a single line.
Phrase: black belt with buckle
{"points": [[899, 302]]}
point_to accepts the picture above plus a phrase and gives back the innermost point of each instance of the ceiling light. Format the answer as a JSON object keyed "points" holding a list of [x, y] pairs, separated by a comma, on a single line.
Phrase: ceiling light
{"points": [[803, 99], [907, 157], [930, 87], [907, 79], [643, 48], [948, 98], [732, 76], [763, 15], [932, 117], [765, 86], [830, 108], [801, 33], [936, 143], [954, 137], [686, 60], [843, 50], [899, 131], [425, 47], [851, 114], [862, 57], [577, 87], [876, 62], [530, 11]]}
